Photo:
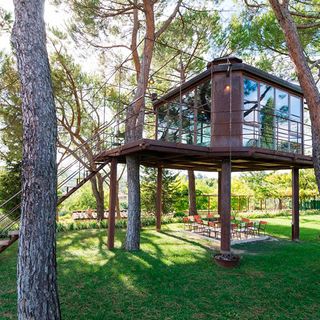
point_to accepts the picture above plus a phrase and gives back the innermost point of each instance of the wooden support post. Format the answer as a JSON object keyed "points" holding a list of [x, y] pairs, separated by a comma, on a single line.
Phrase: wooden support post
{"points": [[112, 203], [295, 204], [225, 205], [159, 199], [219, 192], [192, 193]]}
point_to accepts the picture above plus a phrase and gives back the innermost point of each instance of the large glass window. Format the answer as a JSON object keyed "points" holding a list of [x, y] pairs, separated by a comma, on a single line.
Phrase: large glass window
{"points": [[282, 123], [187, 118], [203, 132], [272, 118], [250, 113], [307, 133], [266, 116], [295, 133]]}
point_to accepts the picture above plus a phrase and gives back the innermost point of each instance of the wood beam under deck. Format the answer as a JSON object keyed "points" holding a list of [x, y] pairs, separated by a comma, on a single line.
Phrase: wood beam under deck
{"points": [[183, 156]]}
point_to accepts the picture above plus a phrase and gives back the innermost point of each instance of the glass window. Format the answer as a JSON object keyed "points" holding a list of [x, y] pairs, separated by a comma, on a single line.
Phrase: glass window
{"points": [[272, 118], [187, 117], [173, 122], [282, 104], [249, 136], [176, 119], [295, 124], [250, 101], [282, 123], [250, 113], [307, 133], [162, 122], [203, 131], [266, 116], [295, 108], [204, 95]]}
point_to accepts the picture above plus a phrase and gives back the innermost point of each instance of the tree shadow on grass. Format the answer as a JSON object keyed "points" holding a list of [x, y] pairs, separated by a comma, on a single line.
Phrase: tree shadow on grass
{"points": [[173, 234], [174, 278]]}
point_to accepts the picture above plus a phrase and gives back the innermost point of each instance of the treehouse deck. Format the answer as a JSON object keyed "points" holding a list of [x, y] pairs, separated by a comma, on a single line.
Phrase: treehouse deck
{"points": [[155, 153]]}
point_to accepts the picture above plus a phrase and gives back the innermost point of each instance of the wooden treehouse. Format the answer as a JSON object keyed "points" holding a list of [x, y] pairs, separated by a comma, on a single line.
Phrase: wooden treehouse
{"points": [[231, 117]]}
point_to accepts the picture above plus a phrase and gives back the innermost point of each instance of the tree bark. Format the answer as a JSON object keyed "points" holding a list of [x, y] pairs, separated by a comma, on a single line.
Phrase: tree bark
{"points": [[98, 192], [37, 276], [134, 214], [306, 80], [192, 193]]}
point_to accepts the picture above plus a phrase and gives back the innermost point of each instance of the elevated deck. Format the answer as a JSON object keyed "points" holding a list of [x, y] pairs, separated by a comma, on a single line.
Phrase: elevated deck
{"points": [[155, 153]]}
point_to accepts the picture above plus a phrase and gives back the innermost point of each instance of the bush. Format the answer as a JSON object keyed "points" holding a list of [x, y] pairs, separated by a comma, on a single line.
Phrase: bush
{"points": [[272, 214], [120, 224], [179, 214]]}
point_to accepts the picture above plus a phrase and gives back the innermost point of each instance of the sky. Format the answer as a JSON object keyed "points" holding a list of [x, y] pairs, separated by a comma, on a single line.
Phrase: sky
{"points": [[54, 17]]}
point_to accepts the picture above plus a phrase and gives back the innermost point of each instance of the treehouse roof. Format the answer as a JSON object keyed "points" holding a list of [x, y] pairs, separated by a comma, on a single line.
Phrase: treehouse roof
{"points": [[226, 65]]}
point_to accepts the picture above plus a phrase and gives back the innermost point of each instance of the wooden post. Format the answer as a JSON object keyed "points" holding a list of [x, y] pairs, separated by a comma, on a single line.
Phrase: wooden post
{"points": [[112, 203], [225, 205], [159, 199], [219, 192], [192, 193], [295, 204]]}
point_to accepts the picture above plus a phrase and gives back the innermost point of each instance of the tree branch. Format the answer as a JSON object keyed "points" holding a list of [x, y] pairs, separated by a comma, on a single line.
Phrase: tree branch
{"points": [[169, 20]]}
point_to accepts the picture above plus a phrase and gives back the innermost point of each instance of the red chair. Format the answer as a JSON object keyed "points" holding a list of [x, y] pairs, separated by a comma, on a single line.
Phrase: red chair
{"points": [[199, 225], [196, 216], [213, 227], [262, 227], [235, 231]]}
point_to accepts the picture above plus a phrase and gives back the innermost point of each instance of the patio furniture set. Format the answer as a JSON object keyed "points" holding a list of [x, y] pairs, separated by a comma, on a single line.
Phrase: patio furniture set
{"points": [[242, 228]]}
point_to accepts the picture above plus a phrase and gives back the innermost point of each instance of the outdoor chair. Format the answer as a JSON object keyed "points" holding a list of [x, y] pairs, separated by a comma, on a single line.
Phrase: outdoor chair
{"points": [[250, 229], [262, 227], [242, 229], [199, 225], [210, 217], [187, 223], [235, 231], [213, 228], [255, 228]]}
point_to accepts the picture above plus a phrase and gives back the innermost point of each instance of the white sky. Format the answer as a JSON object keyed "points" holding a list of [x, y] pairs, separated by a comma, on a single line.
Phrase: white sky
{"points": [[54, 17]]}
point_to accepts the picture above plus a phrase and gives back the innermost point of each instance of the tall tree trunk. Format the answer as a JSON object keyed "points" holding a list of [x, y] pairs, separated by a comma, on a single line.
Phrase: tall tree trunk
{"points": [[192, 193], [307, 82], [98, 192], [37, 276], [134, 216]]}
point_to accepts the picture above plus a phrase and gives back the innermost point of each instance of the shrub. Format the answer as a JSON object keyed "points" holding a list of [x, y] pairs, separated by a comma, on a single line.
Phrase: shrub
{"points": [[120, 224], [179, 214]]}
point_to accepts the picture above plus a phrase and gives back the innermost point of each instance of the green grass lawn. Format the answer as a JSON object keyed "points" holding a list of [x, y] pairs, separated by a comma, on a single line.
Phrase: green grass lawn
{"points": [[173, 277]]}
